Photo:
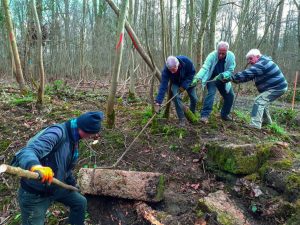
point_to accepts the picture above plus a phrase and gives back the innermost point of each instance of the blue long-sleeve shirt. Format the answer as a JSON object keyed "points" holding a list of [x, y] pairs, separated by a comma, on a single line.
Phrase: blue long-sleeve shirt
{"points": [[265, 73], [183, 77]]}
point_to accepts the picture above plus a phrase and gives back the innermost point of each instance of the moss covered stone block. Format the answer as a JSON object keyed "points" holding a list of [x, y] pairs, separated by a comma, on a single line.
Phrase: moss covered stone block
{"points": [[238, 159], [227, 211]]}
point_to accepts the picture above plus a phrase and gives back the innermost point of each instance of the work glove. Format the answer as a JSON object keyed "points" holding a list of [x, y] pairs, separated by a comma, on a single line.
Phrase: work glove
{"points": [[219, 77], [181, 89], [223, 77], [45, 173], [157, 107], [194, 82]]}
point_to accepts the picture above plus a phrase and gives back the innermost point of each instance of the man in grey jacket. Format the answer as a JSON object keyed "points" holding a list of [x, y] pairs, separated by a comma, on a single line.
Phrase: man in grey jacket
{"points": [[53, 152]]}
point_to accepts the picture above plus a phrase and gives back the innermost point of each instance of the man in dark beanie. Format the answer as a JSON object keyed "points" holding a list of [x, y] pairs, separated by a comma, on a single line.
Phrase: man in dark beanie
{"points": [[53, 152]]}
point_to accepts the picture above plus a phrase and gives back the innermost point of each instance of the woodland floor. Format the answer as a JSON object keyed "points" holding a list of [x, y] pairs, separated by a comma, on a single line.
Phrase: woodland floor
{"points": [[176, 152]]}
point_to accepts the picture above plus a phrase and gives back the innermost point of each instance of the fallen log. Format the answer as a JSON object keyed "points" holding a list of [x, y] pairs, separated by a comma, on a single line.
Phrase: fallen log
{"points": [[147, 213], [144, 186], [32, 175]]}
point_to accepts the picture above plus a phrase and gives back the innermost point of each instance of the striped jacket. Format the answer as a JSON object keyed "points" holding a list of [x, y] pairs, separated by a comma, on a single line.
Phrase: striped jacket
{"points": [[265, 73]]}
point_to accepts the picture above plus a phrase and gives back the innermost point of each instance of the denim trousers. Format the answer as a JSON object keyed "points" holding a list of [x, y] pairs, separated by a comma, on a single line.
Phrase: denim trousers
{"points": [[178, 100], [260, 110], [34, 206], [210, 97]]}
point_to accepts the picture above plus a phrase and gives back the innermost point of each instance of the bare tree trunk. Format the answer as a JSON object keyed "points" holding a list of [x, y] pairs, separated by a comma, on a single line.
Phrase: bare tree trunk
{"points": [[82, 39], [191, 29], [163, 36], [212, 25], [241, 22], [277, 31], [117, 65], [204, 18], [171, 28], [19, 72], [39, 54], [178, 27], [132, 74], [298, 26]]}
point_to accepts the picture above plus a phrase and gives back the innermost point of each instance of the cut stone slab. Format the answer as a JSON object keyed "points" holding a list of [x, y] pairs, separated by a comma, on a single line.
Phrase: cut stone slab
{"points": [[244, 159], [227, 211], [144, 186]]}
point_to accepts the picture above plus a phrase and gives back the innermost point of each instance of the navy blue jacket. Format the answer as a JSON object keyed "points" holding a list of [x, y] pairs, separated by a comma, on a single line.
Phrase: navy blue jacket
{"points": [[265, 73], [52, 147], [186, 75]]}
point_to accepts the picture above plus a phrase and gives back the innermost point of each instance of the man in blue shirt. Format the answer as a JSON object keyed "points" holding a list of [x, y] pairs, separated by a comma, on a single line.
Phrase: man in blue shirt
{"points": [[53, 152], [269, 81], [180, 70]]}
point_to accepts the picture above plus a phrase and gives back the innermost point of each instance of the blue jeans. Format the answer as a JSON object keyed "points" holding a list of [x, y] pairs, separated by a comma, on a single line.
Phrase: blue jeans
{"points": [[178, 101], [210, 97], [34, 206], [260, 110]]}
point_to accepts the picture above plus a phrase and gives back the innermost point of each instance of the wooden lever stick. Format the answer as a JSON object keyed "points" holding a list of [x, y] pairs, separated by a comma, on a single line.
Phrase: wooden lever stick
{"points": [[4, 168]]}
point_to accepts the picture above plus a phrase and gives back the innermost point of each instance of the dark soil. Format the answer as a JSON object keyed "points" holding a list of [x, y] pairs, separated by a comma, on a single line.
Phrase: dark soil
{"points": [[178, 153]]}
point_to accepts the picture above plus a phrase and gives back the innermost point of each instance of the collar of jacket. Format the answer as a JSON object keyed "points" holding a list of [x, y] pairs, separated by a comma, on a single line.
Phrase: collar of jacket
{"points": [[73, 130]]}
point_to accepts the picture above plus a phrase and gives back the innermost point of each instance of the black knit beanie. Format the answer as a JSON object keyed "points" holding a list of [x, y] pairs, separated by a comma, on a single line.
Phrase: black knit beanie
{"points": [[90, 122]]}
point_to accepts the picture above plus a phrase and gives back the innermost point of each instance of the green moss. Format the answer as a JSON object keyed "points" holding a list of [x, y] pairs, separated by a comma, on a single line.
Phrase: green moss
{"points": [[238, 160], [110, 120], [4, 145], [196, 148], [284, 164], [191, 117], [160, 188], [293, 182], [222, 217], [252, 177], [295, 218]]}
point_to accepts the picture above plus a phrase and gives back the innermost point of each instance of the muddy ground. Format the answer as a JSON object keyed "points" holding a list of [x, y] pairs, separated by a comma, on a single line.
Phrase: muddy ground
{"points": [[178, 153]]}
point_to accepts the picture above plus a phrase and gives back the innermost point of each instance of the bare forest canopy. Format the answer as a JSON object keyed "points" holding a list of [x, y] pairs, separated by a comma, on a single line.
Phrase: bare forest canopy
{"points": [[79, 36]]}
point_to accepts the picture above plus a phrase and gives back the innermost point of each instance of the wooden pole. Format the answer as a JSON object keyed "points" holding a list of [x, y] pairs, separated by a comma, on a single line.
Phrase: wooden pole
{"points": [[32, 175], [295, 90]]}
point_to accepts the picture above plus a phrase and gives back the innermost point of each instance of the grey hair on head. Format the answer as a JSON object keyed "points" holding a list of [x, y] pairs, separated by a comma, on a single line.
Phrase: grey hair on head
{"points": [[223, 44], [253, 52]]}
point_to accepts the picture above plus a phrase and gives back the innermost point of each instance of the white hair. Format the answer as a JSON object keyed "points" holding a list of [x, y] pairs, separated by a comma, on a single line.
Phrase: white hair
{"points": [[172, 62], [223, 44], [253, 52]]}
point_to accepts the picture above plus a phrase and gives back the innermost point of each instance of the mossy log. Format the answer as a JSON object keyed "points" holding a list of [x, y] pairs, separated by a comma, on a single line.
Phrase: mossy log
{"points": [[145, 186]]}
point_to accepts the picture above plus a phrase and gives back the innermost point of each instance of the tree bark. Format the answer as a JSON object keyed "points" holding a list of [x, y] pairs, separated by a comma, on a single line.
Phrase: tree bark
{"points": [[82, 40], [163, 36], [191, 29], [241, 22], [212, 25], [277, 31], [298, 26], [147, 213], [39, 54], [204, 18], [178, 27], [12, 39], [136, 42], [117, 65], [144, 186]]}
